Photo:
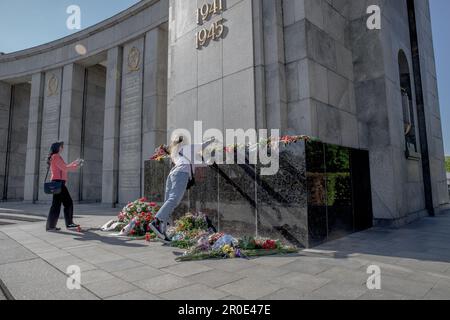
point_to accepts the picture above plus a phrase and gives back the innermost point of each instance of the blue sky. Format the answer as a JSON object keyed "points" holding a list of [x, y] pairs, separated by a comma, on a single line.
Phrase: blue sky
{"points": [[27, 23], [440, 17]]}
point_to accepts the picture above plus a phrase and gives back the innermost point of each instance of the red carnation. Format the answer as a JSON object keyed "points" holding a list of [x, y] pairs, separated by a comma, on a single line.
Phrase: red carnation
{"points": [[269, 245]]}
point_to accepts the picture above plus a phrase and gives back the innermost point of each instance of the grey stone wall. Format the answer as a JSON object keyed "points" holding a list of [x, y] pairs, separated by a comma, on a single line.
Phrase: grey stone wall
{"points": [[215, 84], [397, 181], [407, 173], [343, 87], [111, 129], [18, 142], [71, 121], [319, 71], [130, 153], [372, 51], [431, 100], [50, 124], [93, 128], [34, 138], [154, 119]]}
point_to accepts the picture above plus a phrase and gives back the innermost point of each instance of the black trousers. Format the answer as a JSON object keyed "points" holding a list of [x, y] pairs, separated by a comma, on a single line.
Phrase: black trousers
{"points": [[55, 210]]}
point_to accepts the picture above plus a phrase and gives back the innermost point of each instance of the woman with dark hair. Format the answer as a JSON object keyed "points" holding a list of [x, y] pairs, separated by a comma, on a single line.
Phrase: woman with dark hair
{"points": [[59, 170]]}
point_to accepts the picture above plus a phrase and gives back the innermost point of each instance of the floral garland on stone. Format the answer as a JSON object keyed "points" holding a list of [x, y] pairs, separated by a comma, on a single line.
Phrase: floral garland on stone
{"points": [[162, 152]]}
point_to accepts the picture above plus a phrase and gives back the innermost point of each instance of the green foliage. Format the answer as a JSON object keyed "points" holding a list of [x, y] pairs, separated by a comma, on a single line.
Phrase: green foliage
{"points": [[183, 244], [447, 164], [247, 243]]}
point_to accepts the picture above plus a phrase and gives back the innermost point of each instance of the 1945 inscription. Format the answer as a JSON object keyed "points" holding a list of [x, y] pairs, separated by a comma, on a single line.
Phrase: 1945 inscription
{"points": [[216, 30]]}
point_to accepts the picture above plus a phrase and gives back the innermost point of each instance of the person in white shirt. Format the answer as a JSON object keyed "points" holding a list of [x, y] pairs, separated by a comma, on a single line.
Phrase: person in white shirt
{"points": [[185, 158]]}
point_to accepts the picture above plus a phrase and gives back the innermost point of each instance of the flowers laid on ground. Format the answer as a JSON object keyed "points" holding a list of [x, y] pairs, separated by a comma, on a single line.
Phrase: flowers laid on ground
{"points": [[134, 220], [189, 229], [194, 233]]}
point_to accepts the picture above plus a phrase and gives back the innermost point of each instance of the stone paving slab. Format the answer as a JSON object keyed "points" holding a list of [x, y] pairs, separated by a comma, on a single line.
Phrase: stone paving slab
{"points": [[250, 288], [37, 280], [135, 296], [414, 260], [110, 287], [195, 292]]}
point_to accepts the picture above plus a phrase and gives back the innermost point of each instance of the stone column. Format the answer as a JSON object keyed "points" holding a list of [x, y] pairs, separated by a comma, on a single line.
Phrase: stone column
{"points": [[71, 121], [130, 158], [112, 126], [93, 130], [34, 138], [50, 123], [18, 136], [274, 66], [5, 101], [154, 129]]}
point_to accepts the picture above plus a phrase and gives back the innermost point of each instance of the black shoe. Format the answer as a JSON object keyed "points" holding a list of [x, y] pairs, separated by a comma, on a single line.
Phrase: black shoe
{"points": [[54, 230], [155, 226], [72, 226], [166, 240]]}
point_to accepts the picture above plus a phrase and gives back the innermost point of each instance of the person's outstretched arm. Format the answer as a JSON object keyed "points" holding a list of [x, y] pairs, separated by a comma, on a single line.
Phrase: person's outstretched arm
{"points": [[208, 142], [61, 165]]}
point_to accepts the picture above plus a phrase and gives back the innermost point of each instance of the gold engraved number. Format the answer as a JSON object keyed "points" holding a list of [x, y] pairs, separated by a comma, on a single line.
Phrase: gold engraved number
{"points": [[205, 35], [207, 10]]}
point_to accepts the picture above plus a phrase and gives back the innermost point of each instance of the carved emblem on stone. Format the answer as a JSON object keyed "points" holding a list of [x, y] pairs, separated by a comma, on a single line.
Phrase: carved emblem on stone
{"points": [[52, 85], [134, 57]]}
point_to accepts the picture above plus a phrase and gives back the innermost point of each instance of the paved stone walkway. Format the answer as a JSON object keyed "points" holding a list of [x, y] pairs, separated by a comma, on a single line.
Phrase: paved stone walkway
{"points": [[414, 261]]}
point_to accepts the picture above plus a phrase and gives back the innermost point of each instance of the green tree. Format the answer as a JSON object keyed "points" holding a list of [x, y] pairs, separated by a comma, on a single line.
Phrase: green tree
{"points": [[447, 163]]}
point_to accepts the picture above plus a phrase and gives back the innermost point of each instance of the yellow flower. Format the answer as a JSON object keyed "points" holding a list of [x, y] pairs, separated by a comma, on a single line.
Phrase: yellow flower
{"points": [[228, 250]]}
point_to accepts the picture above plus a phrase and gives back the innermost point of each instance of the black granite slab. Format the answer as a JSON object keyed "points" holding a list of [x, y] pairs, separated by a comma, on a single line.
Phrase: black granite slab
{"points": [[320, 192]]}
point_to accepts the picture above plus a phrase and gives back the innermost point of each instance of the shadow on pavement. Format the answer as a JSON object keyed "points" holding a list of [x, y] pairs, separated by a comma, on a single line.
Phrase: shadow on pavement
{"points": [[89, 235]]}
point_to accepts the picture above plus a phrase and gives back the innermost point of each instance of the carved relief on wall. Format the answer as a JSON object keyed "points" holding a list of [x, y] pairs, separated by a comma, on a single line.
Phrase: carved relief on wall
{"points": [[134, 58], [52, 85]]}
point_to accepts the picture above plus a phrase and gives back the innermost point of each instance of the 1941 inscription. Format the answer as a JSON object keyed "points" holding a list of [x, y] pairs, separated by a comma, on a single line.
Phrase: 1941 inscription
{"points": [[216, 30]]}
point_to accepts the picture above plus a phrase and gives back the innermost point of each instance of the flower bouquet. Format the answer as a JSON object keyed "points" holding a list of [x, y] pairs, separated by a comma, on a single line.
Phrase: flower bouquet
{"points": [[134, 219], [161, 153], [226, 247], [189, 229]]}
